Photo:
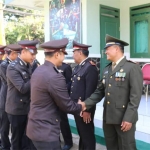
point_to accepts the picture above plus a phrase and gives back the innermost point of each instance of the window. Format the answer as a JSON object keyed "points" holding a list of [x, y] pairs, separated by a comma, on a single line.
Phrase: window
{"points": [[140, 31]]}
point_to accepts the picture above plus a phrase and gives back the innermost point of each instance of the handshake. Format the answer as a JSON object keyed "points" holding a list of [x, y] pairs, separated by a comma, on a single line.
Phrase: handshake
{"points": [[86, 115]]}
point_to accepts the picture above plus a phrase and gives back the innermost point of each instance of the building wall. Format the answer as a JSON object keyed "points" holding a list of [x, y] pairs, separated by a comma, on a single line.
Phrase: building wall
{"points": [[91, 36], [91, 23], [125, 23]]}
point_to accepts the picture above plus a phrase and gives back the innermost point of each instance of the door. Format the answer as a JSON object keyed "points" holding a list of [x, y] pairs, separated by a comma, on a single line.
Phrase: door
{"points": [[109, 24]]}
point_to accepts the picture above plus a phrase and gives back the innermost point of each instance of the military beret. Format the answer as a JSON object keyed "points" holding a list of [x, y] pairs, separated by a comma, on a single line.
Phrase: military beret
{"points": [[2, 49], [77, 46], [29, 45], [55, 45], [13, 47], [114, 41]]}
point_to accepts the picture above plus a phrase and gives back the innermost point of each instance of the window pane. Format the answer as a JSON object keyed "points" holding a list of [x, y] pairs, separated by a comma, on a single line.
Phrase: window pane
{"points": [[141, 36]]}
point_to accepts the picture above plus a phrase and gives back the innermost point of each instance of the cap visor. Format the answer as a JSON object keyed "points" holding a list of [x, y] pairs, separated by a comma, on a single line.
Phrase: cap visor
{"points": [[108, 46]]}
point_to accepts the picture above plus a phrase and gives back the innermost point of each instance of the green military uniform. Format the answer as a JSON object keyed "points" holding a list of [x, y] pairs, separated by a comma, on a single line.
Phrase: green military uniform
{"points": [[122, 89]]}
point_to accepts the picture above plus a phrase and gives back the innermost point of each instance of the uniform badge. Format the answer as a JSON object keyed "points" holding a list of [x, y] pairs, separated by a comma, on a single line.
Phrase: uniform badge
{"points": [[121, 70], [105, 72], [116, 76], [78, 78], [123, 76], [103, 81], [60, 70], [21, 63]]}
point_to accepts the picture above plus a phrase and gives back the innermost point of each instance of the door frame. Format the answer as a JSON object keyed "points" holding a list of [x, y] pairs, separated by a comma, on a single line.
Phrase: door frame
{"points": [[108, 12]]}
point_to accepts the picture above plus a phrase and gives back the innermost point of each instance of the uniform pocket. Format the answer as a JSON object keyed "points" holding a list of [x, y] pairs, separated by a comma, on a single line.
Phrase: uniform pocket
{"points": [[120, 105]]}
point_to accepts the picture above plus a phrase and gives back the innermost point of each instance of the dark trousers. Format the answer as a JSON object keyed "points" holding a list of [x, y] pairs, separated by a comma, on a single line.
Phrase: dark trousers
{"points": [[27, 143], [18, 125], [65, 128], [86, 132], [4, 130], [47, 145], [116, 139]]}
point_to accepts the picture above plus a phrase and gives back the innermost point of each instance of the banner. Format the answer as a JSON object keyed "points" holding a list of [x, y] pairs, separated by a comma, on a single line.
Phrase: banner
{"points": [[65, 21]]}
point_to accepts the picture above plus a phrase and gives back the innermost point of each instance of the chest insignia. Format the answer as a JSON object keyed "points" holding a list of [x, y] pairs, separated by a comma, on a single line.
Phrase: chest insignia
{"points": [[78, 78], [105, 72], [120, 76], [121, 70]]}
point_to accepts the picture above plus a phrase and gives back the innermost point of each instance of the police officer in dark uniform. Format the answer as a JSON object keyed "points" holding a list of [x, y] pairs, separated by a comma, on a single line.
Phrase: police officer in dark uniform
{"points": [[35, 64], [2, 52], [66, 70], [11, 51], [84, 83], [49, 94], [1, 56], [18, 93], [121, 84]]}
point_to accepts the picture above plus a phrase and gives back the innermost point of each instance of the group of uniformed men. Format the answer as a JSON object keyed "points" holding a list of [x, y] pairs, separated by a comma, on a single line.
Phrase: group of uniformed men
{"points": [[35, 100]]}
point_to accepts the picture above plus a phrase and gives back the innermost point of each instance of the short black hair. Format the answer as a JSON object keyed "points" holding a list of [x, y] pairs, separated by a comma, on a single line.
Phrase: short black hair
{"points": [[8, 52], [84, 52], [49, 54], [121, 48]]}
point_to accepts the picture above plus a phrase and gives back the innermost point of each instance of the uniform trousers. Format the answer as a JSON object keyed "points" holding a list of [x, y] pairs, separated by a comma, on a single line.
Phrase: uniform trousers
{"points": [[86, 132], [65, 128], [55, 145], [116, 139], [18, 125], [4, 130]]}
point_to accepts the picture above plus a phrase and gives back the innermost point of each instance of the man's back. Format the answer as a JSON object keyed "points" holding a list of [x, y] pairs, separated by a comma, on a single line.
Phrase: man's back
{"points": [[48, 92], [18, 93]]}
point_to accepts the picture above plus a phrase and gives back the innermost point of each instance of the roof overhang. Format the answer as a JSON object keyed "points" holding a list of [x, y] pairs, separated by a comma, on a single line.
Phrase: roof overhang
{"points": [[27, 4]]}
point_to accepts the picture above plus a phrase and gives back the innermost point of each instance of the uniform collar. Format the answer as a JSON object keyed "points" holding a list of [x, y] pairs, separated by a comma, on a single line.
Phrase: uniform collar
{"points": [[81, 63], [9, 60], [118, 61], [48, 63], [22, 61]]}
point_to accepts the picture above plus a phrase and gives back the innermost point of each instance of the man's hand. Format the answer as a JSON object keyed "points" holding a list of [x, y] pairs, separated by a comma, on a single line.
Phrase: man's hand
{"points": [[86, 117], [83, 104], [125, 126]]}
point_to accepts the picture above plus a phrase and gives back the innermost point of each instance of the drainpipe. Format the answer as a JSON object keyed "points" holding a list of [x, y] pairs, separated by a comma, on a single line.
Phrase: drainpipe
{"points": [[2, 32]]}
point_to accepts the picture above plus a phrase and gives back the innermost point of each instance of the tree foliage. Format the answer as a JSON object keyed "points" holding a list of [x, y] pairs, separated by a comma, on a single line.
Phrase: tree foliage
{"points": [[29, 27]]}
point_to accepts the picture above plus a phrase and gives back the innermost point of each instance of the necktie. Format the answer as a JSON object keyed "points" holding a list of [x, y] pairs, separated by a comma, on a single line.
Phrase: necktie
{"points": [[113, 65]]}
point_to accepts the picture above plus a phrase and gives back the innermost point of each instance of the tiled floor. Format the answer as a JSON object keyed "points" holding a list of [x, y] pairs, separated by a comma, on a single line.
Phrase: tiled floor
{"points": [[76, 141], [144, 107]]}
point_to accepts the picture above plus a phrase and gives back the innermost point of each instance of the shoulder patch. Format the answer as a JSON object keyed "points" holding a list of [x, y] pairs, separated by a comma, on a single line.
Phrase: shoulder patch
{"points": [[92, 63], [13, 63], [131, 61], [4, 62]]}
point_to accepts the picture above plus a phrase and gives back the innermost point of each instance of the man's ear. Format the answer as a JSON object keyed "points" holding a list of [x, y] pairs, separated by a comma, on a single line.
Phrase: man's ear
{"points": [[23, 51], [56, 54]]}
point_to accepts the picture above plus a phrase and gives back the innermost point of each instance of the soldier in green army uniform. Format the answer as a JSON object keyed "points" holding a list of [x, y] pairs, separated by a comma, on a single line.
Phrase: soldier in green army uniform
{"points": [[121, 85]]}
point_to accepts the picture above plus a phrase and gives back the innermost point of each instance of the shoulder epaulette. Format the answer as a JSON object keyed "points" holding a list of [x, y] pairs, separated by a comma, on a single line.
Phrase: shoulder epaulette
{"points": [[4, 62], [92, 63], [131, 61], [13, 63]]}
